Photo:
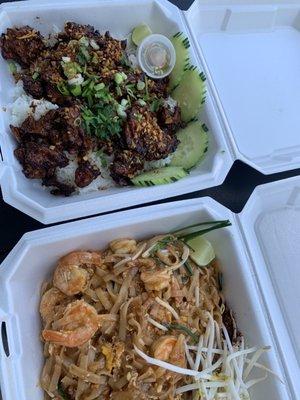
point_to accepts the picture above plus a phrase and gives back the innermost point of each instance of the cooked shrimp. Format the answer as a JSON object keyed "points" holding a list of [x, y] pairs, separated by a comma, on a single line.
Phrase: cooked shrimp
{"points": [[123, 246], [170, 349], [163, 347], [78, 325], [72, 273], [177, 356], [50, 299]]}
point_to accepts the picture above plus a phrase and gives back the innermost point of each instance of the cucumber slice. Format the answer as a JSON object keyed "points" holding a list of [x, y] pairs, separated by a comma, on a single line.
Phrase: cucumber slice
{"points": [[190, 93], [181, 45], [159, 176], [203, 253], [192, 147], [139, 33]]}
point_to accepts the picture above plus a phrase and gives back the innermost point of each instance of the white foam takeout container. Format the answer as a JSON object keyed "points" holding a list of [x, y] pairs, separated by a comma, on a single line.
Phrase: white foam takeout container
{"points": [[249, 53], [259, 255]]}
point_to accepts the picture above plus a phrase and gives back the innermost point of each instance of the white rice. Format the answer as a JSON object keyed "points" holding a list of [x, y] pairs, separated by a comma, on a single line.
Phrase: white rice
{"points": [[170, 103], [103, 181], [77, 80], [149, 165], [52, 39], [25, 105], [133, 60]]}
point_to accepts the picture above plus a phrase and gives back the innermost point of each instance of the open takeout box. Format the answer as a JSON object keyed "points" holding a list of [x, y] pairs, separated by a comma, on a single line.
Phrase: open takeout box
{"points": [[249, 52], [259, 257]]}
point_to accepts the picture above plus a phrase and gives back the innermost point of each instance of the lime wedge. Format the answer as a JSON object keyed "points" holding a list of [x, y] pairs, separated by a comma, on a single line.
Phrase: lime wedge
{"points": [[139, 33], [203, 252]]}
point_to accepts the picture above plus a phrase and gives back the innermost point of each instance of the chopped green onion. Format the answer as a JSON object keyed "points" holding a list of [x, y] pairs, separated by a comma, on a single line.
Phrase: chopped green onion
{"points": [[71, 69], [86, 82], [99, 86], [62, 392], [12, 67], [188, 229], [193, 231], [84, 41], [83, 55], [124, 102], [156, 103], [35, 75], [138, 117], [77, 121], [121, 111], [124, 61], [119, 91], [188, 268], [161, 244], [62, 88], [130, 91], [76, 90], [94, 45], [183, 328], [89, 86], [119, 79], [90, 100], [146, 87], [142, 102], [95, 59], [140, 85], [102, 157]]}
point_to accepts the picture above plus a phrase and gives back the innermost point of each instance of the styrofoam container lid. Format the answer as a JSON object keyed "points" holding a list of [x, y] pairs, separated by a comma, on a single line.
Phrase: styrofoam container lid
{"points": [[33, 260], [271, 228], [250, 52]]}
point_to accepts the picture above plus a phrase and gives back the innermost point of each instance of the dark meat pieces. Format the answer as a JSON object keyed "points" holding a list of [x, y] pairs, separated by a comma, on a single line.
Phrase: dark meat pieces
{"points": [[33, 87], [42, 145], [41, 127], [71, 134], [22, 45], [109, 56], [126, 165], [144, 135], [76, 31], [32, 130], [39, 161], [49, 70], [85, 174], [159, 87], [19, 133], [168, 120], [60, 128], [50, 75], [62, 49]]}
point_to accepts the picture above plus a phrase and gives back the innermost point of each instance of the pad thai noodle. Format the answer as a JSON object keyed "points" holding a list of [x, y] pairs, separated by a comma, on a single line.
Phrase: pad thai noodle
{"points": [[142, 320]]}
